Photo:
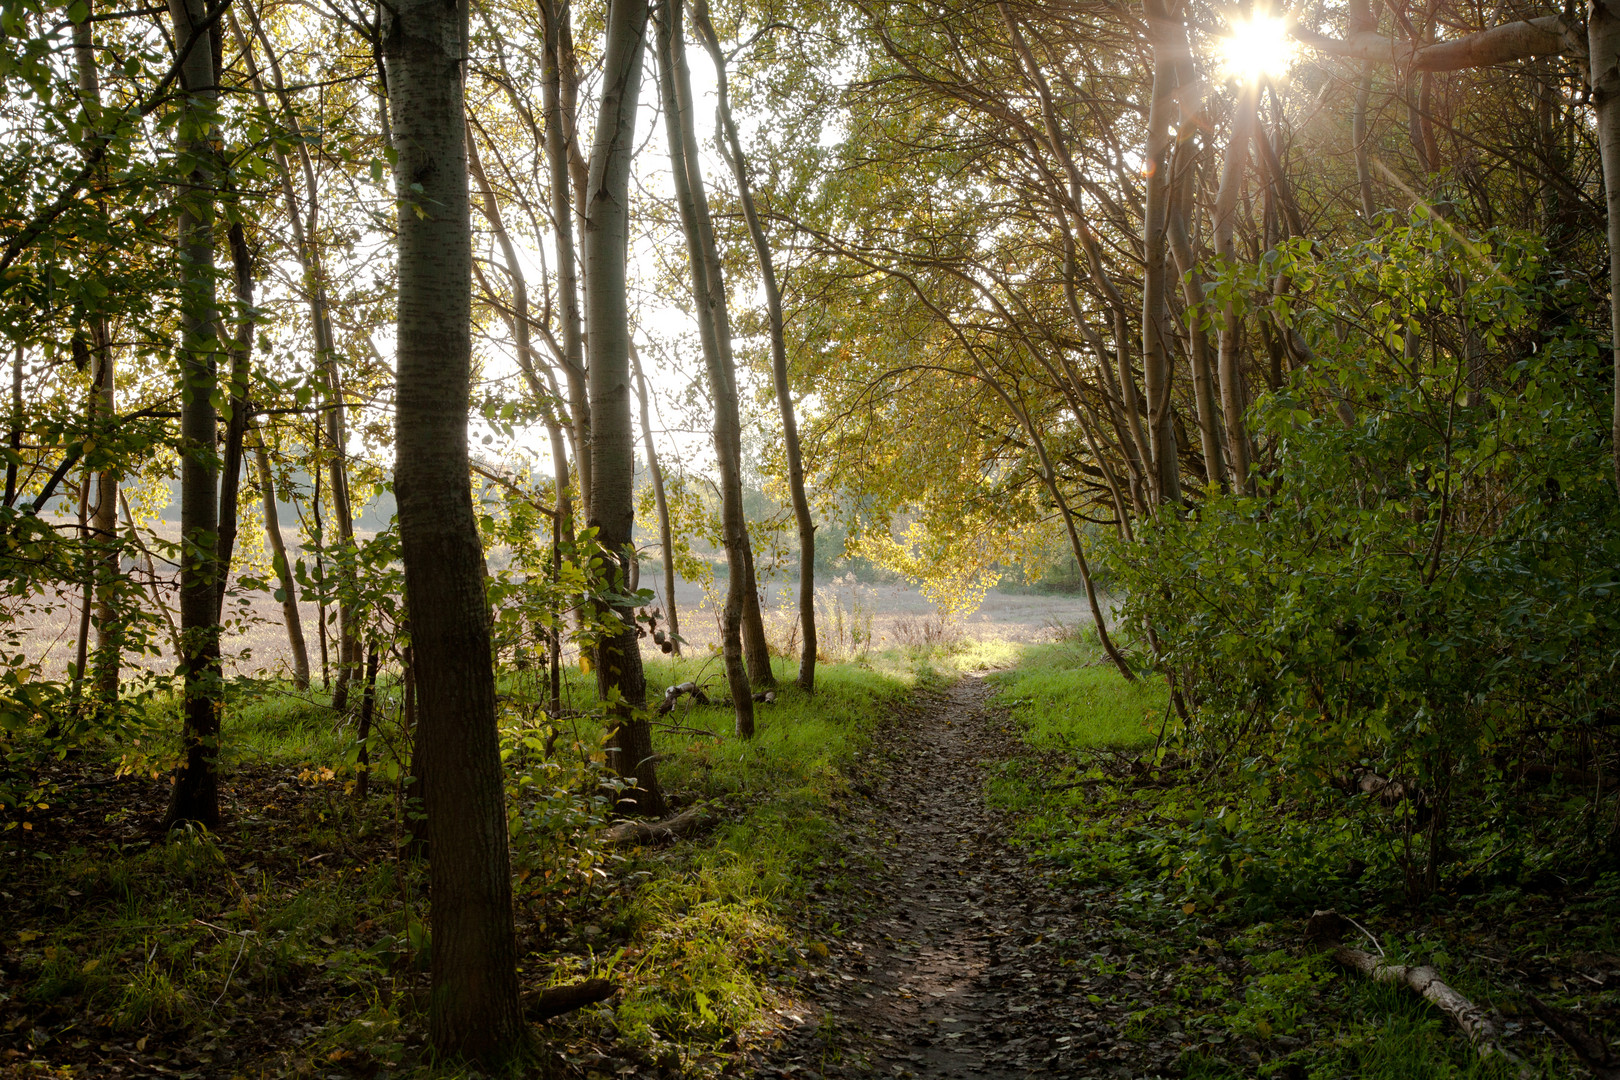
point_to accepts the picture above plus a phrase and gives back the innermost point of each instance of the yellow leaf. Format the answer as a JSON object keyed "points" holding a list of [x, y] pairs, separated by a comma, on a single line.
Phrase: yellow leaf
{"points": [[90, 965], [25, 936], [1188, 909]]}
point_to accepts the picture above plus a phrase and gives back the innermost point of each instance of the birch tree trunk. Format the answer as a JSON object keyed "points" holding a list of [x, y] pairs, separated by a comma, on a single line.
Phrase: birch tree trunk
{"points": [[708, 295], [288, 587], [666, 536], [619, 674], [195, 795], [474, 1008], [779, 365], [561, 127]]}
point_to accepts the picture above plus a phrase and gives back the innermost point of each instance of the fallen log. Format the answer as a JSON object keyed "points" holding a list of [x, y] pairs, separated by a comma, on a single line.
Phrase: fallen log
{"points": [[1426, 983], [658, 832], [1593, 1052], [557, 1000], [674, 694]]}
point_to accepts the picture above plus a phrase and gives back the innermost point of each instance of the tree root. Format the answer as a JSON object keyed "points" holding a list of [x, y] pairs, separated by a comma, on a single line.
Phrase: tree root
{"points": [[557, 1000]]}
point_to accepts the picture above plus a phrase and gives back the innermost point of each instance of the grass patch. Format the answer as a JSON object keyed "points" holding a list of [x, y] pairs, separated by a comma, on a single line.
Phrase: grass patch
{"points": [[1067, 695], [294, 940], [1212, 878]]}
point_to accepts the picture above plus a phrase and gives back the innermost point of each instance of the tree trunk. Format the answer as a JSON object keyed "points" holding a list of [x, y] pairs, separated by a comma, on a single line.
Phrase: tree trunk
{"points": [[474, 1008], [368, 703], [306, 229], [561, 125], [756, 648], [284, 577], [103, 523], [715, 332], [195, 796], [1603, 50], [619, 675], [1229, 368], [666, 536], [519, 322], [779, 364], [1163, 32], [1192, 286], [236, 428]]}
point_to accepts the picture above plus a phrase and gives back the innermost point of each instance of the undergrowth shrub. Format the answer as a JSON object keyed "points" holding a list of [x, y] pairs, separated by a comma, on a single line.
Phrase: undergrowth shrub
{"points": [[1415, 610]]}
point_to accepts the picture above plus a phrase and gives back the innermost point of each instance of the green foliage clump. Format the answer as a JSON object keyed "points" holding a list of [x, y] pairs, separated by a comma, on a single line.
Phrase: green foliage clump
{"points": [[1422, 589]]}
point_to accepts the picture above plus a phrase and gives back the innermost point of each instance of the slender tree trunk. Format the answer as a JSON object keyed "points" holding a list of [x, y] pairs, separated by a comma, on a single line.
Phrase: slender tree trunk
{"points": [[779, 364], [195, 796], [560, 147], [715, 334], [1358, 135], [236, 428], [1156, 367], [104, 506], [287, 586], [666, 540], [474, 1008], [15, 437], [87, 586], [1603, 49], [619, 673], [1229, 366], [306, 229], [1198, 351], [318, 535], [368, 703], [519, 321]]}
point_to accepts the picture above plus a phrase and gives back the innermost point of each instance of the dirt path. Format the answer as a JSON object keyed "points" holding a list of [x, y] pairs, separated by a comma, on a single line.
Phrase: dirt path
{"points": [[961, 958]]}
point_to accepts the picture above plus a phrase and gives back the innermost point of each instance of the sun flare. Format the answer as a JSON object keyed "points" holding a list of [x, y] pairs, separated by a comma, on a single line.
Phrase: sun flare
{"points": [[1256, 48]]}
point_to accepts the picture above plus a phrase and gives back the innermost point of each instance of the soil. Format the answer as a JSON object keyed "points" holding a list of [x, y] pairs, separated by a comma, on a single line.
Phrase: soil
{"points": [[962, 957]]}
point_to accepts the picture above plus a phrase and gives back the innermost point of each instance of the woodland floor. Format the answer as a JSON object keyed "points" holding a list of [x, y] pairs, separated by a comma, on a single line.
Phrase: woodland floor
{"points": [[962, 958]]}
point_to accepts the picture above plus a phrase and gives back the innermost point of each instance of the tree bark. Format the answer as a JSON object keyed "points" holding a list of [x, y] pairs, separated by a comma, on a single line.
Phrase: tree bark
{"points": [[14, 438], [236, 428], [195, 795], [619, 674], [779, 365], [1192, 288], [666, 536], [1163, 33], [288, 587], [715, 332], [561, 146], [1603, 51], [306, 229], [103, 524], [1229, 367], [474, 1008]]}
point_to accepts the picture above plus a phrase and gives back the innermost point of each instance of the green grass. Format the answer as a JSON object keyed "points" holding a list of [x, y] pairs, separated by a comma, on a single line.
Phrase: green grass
{"points": [[300, 900], [716, 923], [1180, 864], [1067, 695]]}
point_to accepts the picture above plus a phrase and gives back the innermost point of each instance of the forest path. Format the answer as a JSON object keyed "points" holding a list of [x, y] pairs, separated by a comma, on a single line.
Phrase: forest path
{"points": [[961, 957]]}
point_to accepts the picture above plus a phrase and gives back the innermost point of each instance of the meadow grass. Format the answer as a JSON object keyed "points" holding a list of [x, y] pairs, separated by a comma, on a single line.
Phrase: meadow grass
{"points": [[1066, 694]]}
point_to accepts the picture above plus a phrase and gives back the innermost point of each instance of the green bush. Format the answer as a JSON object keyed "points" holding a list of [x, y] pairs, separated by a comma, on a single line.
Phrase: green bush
{"points": [[1422, 588]]}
